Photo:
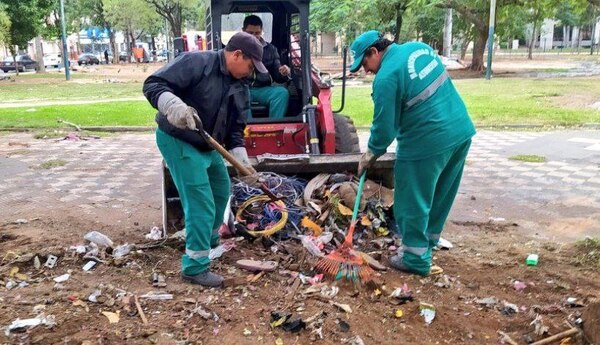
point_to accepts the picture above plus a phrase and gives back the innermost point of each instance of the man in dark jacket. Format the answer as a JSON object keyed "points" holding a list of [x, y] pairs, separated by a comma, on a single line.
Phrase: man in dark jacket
{"points": [[203, 89], [262, 89]]}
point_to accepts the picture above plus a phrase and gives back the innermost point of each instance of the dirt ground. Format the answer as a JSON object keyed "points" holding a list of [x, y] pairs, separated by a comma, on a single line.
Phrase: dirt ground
{"points": [[486, 260]]}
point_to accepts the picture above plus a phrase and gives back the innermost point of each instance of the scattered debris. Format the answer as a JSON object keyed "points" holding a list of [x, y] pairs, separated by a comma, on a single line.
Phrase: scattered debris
{"points": [[403, 294], [122, 250], [51, 261], [157, 296], [158, 280], [257, 266], [48, 321], [572, 302], [509, 308], [443, 244], [532, 260], [355, 340], [538, 324], [488, 302], [155, 234], [99, 238], [428, 312], [519, 286], [344, 326], [112, 317], [63, 278], [399, 313], [443, 281], [21, 221], [506, 339], [344, 307], [89, 265]]}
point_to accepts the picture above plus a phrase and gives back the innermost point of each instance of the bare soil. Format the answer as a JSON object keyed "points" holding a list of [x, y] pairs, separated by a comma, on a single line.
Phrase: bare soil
{"points": [[485, 262]]}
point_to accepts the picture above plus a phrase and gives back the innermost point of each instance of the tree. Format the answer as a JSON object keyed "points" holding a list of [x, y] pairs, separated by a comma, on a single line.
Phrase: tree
{"points": [[172, 11], [347, 17], [392, 11], [477, 13], [134, 17], [94, 11], [537, 11], [26, 18], [4, 26]]}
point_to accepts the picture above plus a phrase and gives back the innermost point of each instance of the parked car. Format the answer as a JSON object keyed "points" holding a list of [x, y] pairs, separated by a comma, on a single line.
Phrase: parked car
{"points": [[123, 57], [88, 59], [25, 62], [53, 61]]}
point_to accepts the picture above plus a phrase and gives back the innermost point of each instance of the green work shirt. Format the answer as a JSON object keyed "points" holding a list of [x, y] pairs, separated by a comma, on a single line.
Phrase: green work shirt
{"points": [[416, 103]]}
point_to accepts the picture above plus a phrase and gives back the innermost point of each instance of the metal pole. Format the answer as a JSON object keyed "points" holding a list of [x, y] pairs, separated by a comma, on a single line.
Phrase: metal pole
{"points": [[488, 72], [64, 40]]}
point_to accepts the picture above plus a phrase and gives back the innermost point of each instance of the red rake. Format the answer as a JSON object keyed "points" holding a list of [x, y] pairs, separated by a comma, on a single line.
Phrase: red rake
{"points": [[345, 262]]}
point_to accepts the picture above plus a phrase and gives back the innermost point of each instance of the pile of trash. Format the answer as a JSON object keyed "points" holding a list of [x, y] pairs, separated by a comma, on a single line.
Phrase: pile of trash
{"points": [[316, 212]]}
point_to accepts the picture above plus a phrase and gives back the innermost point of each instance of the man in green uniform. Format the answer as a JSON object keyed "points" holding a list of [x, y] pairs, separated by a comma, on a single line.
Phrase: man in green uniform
{"points": [[417, 104], [203, 89], [262, 85]]}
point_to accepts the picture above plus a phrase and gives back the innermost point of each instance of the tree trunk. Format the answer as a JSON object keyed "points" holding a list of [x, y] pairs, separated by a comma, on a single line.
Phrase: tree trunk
{"points": [[532, 42], [175, 22], [128, 42], [13, 52], [39, 55], [448, 33], [463, 48], [113, 45], [479, 49], [399, 14]]}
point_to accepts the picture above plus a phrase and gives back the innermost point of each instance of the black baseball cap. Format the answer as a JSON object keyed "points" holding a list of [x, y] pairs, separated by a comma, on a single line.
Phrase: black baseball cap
{"points": [[250, 46]]}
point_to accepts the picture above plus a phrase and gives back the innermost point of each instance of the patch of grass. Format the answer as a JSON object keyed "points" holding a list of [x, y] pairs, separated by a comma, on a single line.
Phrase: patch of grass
{"points": [[132, 113], [528, 158], [588, 253], [500, 101], [49, 90], [17, 153], [53, 163]]}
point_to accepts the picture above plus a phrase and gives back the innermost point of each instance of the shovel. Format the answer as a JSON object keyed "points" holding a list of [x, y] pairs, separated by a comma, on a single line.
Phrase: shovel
{"points": [[242, 169]]}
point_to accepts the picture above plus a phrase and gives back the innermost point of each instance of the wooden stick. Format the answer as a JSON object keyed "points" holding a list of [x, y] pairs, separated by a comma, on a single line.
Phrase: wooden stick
{"points": [[78, 128], [507, 338], [140, 310], [558, 336]]}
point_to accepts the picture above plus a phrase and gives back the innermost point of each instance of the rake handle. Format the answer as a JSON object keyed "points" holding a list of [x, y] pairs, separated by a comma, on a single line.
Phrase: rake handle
{"points": [[361, 184]]}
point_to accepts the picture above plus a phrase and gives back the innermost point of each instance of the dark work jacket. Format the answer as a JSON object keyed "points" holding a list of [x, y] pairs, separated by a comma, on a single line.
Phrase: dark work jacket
{"points": [[272, 63], [202, 81]]}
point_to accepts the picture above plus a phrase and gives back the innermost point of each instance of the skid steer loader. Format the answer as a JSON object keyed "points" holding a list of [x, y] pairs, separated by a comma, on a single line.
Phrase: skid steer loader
{"points": [[312, 138]]}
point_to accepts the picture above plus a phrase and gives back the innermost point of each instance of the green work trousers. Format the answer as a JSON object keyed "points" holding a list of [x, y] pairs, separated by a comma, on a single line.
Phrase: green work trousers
{"points": [[424, 193], [276, 97], [203, 184]]}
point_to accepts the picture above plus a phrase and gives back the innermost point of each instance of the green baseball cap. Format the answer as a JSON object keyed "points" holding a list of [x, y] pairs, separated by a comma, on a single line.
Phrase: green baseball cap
{"points": [[360, 45]]}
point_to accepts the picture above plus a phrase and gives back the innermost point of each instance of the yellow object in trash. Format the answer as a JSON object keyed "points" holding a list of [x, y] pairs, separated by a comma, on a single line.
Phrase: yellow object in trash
{"points": [[312, 226], [399, 313]]}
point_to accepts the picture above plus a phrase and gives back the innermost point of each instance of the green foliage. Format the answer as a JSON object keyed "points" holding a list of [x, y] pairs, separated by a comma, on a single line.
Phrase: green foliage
{"points": [[26, 18], [348, 17], [4, 26], [132, 16]]}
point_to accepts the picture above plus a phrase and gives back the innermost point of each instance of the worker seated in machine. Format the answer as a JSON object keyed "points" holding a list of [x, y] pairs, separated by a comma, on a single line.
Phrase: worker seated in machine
{"points": [[262, 87]]}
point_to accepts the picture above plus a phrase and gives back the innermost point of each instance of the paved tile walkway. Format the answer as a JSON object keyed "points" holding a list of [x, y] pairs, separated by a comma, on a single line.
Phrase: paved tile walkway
{"points": [[124, 170]]}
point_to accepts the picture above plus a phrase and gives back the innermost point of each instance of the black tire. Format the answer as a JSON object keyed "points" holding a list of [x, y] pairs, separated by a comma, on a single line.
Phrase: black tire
{"points": [[346, 137]]}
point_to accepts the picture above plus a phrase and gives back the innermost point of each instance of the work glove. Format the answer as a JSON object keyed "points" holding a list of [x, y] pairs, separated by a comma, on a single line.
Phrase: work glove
{"points": [[178, 113], [366, 161], [241, 155]]}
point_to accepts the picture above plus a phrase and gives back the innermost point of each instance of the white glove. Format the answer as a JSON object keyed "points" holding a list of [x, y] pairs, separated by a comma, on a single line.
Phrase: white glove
{"points": [[177, 112], [241, 155]]}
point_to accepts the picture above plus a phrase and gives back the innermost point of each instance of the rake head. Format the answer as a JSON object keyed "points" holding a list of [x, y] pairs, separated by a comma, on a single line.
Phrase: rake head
{"points": [[345, 263]]}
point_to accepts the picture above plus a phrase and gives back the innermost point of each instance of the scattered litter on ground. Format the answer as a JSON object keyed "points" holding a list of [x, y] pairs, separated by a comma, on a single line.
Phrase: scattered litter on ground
{"points": [[532, 260], [155, 234], [99, 239], [89, 265], [157, 296], [112, 317], [51, 261], [48, 321], [428, 312], [63, 278]]}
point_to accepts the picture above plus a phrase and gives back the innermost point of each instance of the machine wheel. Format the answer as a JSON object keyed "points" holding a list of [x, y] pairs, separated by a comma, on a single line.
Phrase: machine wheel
{"points": [[346, 137]]}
